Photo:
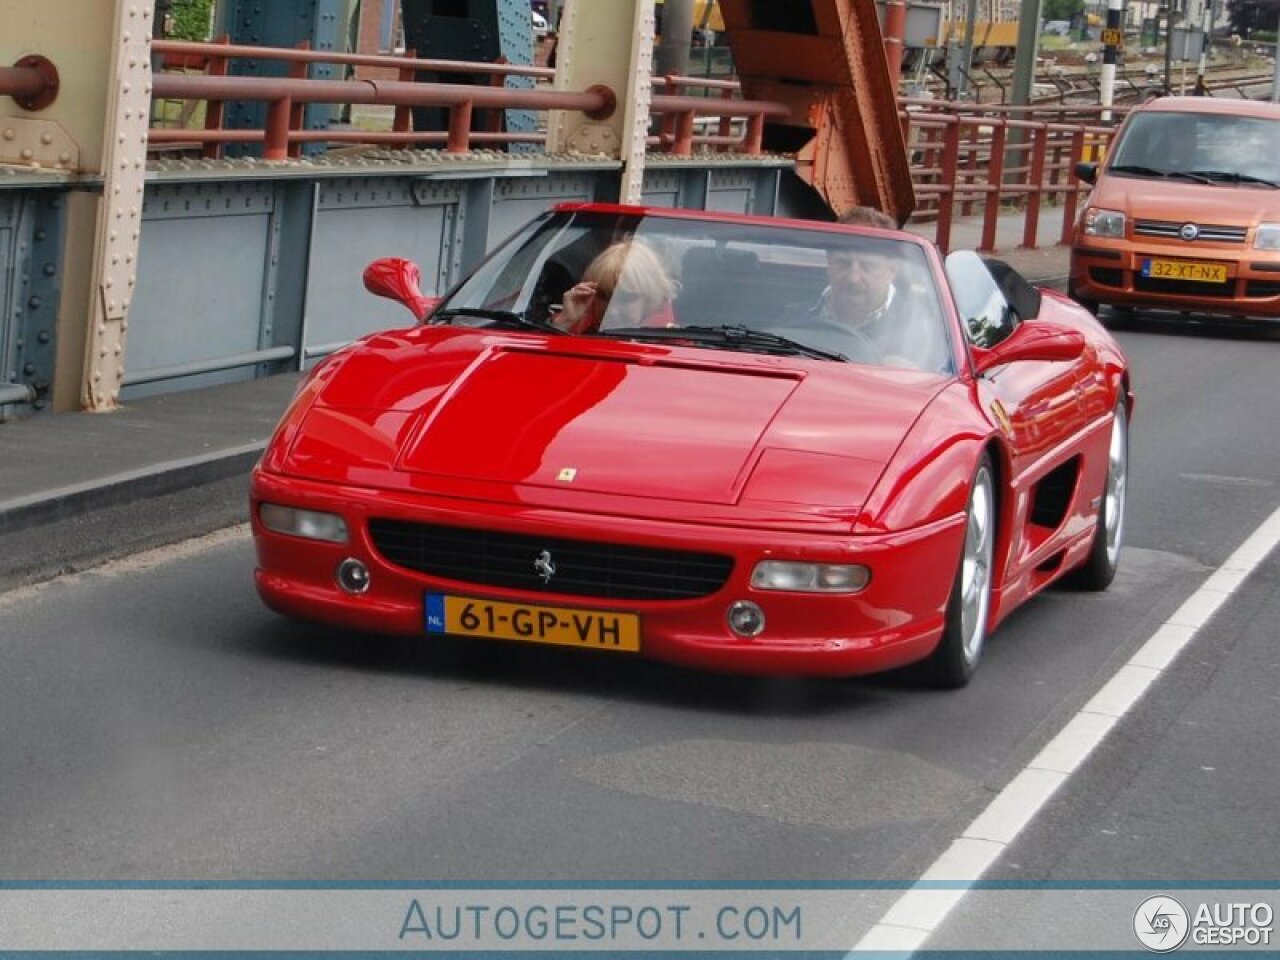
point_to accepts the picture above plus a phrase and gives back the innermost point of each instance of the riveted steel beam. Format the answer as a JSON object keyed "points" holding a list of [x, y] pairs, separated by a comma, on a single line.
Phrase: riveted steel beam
{"points": [[34, 305], [119, 227], [319, 25], [825, 60], [96, 128], [607, 43]]}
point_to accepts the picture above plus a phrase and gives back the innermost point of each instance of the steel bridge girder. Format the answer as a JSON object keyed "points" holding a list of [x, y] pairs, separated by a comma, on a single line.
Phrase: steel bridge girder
{"points": [[826, 60]]}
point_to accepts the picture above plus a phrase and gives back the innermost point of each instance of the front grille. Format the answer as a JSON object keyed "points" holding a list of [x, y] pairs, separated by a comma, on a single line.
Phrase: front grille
{"points": [[582, 568], [1190, 288], [1170, 230], [1107, 276]]}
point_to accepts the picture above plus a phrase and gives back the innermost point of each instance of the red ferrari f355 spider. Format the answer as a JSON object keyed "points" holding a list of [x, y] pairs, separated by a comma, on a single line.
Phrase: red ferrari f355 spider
{"points": [[732, 442]]}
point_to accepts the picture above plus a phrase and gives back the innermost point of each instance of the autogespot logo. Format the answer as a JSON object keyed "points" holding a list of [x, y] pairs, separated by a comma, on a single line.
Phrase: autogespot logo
{"points": [[1161, 924]]}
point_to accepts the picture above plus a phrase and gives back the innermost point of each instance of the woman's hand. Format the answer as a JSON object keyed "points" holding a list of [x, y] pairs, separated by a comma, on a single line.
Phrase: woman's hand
{"points": [[578, 302]]}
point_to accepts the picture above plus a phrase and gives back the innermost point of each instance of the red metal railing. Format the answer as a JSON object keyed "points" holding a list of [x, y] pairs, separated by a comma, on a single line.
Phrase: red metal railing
{"points": [[282, 94], [32, 82], [201, 56], [966, 157], [281, 139], [677, 133]]}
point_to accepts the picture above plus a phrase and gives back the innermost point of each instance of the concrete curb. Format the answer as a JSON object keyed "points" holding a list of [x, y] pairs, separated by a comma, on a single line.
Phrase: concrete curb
{"points": [[151, 481]]}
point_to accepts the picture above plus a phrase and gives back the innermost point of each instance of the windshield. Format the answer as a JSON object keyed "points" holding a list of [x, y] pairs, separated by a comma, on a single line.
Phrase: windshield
{"points": [[1221, 147], [829, 295]]}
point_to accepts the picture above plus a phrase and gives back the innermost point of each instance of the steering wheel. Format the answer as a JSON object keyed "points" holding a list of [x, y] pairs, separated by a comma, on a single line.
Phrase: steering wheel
{"points": [[850, 341]]}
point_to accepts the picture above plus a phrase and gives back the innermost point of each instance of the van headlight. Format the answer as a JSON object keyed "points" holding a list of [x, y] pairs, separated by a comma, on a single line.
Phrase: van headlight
{"points": [[1267, 237], [1103, 223], [810, 577]]}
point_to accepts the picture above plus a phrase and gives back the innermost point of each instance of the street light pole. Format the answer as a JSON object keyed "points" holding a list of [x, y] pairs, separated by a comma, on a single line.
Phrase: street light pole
{"points": [[1024, 65], [672, 55], [1112, 40], [1201, 89], [966, 50], [1275, 71], [160, 22]]}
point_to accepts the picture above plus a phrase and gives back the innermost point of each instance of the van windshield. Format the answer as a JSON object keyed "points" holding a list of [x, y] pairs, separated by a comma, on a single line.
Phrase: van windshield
{"points": [[1214, 147]]}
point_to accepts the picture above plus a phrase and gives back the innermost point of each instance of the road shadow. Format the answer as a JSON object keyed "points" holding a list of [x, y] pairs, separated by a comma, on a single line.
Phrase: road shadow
{"points": [[1192, 325], [607, 675]]}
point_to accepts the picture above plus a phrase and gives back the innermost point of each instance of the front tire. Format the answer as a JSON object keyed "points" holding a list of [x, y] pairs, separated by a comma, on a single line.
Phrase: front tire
{"points": [[1099, 568], [964, 636]]}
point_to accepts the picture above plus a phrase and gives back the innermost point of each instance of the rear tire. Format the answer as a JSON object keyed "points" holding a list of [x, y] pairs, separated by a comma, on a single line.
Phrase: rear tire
{"points": [[964, 636], [1099, 568]]}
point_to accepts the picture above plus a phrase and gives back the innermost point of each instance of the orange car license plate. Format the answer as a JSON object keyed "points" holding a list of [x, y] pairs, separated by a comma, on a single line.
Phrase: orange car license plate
{"points": [[1185, 270], [562, 626]]}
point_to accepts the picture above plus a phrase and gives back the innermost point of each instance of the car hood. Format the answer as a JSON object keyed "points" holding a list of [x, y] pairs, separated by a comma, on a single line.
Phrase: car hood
{"points": [[1186, 202], [579, 416]]}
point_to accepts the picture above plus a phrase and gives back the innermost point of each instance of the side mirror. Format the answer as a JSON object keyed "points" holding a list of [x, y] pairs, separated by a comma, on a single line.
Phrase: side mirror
{"points": [[400, 280], [1022, 296], [1088, 172], [1036, 340]]}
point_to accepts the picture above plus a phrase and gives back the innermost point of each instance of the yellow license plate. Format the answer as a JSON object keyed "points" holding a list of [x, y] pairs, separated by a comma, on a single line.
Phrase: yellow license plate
{"points": [[1185, 270], [562, 626]]}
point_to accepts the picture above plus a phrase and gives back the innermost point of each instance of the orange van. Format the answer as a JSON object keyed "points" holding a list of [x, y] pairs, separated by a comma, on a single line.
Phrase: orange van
{"points": [[1185, 211]]}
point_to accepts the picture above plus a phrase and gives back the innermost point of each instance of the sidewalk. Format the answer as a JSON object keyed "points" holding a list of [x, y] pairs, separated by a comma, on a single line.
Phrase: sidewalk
{"points": [[1046, 263], [54, 466], [59, 465]]}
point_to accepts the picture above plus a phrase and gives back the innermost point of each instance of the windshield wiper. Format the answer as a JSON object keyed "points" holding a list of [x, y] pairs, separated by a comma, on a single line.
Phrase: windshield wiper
{"points": [[727, 336], [1232, 176], [1142, 171], [504, 318], [1138, 169]]}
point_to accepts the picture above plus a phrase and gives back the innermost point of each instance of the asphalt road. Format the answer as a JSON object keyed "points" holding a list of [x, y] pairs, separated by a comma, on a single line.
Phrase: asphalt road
{"points": [[159, 723]]}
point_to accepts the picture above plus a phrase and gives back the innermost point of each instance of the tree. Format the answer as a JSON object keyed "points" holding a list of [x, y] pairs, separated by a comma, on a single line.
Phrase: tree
{"points": [[1250, 17], [191, 19], [1062, 9]]}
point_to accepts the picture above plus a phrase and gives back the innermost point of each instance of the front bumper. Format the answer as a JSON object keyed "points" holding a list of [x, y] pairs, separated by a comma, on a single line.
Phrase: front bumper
{"points": [[1111, 272], [897, 619]]}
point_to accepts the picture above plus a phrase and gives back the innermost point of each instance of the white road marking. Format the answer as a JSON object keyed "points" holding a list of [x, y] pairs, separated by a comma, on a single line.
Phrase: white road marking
{"points": [[921, 910], [1227, 481]]}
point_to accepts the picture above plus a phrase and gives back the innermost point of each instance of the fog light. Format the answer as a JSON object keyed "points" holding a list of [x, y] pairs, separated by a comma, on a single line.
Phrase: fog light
{"points": [[746, 619], [353, 576]]}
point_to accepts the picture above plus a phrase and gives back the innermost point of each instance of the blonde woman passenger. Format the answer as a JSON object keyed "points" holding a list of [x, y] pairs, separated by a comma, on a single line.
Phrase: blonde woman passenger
{"points": [[625, 286]]}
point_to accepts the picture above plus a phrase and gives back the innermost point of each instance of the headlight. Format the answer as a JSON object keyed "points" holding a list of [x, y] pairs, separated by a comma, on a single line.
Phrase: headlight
{"points": [[810, 577], [308, 524], [1267, 237], [1103, 223]]}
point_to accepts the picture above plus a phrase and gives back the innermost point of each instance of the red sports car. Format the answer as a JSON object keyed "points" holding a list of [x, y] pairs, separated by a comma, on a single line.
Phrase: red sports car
{"points": [[732, 442]]}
